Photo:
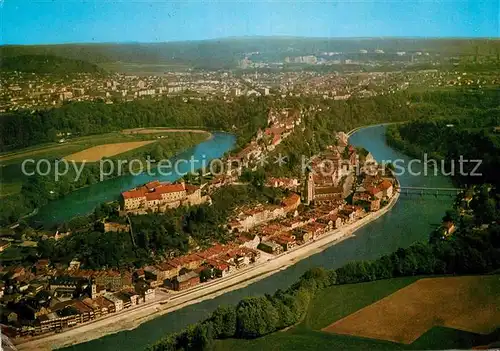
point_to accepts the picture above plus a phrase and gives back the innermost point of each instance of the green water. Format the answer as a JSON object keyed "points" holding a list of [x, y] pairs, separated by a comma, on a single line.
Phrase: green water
{"points": [[410, 220], [84, 200]]}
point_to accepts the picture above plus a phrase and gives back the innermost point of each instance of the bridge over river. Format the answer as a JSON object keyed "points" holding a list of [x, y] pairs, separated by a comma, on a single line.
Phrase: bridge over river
{"points": [[416, 190]]}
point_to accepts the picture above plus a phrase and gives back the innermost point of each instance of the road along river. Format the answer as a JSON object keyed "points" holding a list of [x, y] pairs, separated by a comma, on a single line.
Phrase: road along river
{"points": [[410, 220]]}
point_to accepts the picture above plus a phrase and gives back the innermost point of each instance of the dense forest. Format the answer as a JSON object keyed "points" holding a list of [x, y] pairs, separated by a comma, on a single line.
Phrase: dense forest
{"points": [[472, 136], [473, 249], [25, 128], [43, 64]]}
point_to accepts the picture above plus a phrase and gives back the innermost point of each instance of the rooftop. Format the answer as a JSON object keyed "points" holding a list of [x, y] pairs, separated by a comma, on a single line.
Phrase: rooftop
{"points": [[187, 276], [153, 190]]}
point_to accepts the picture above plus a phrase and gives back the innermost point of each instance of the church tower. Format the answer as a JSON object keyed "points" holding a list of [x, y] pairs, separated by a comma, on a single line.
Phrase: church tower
{"points": [[93, 289], [309, 189]]}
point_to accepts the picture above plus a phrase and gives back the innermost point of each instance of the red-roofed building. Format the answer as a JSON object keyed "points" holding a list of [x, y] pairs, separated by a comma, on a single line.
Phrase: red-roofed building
{"points": [[222, 268], [375, 192], [286, 240], [249, 243], [386, 187], [185, 281], [285, 183], [152, 185], [270, 230], [158, 196], [291, 202], [366, 197]]}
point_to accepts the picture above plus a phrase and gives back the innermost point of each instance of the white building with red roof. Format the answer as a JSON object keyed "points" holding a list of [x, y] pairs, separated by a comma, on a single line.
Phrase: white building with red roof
{"points": [[157, 196]]}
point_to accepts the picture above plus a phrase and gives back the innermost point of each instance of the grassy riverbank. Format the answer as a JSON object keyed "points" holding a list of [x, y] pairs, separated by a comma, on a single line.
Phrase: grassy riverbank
{"points": [[337, 302]]}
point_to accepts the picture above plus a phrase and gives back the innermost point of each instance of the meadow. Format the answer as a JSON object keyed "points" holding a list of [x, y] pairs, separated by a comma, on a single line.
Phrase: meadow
{"points": [[96, 153], [93, 148], [338, 302], [465, 303]]}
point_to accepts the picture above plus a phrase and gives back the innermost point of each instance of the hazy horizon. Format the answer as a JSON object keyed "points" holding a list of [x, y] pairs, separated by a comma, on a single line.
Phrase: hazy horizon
{"points": [[259, 37], [77, 22]]}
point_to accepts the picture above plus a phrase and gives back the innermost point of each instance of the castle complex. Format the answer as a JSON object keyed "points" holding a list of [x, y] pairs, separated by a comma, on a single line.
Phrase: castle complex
{"points": [[158, 197]]}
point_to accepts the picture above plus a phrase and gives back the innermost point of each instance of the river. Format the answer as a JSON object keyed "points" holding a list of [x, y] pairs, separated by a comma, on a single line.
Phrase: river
{"points": [[84, 200], [411, 220]]}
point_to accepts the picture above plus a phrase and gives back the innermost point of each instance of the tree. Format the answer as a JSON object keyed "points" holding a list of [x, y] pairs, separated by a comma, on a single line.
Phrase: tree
{"points": [[256, 316], [224, 322], [157, 152], [205, 275]]}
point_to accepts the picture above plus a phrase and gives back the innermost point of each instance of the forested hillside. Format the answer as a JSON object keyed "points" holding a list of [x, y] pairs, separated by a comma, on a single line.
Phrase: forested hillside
{"points": [[26, 128], [472, 136], [226, 52], [47, 64], [328, 117]]}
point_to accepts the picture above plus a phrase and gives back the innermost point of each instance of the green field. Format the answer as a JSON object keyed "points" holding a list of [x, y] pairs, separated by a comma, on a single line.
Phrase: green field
{"points": [[337, 302], [11, 177], [57, 150]]}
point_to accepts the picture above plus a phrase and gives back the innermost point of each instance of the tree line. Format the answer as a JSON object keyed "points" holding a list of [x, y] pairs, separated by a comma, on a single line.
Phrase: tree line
{"points": [[24, 128], [45, 64], [471, 136]]}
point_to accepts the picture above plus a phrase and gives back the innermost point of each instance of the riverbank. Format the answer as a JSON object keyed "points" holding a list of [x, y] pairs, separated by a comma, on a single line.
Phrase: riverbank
{"points": [[132, 319], [85, 199], [352, 131]]}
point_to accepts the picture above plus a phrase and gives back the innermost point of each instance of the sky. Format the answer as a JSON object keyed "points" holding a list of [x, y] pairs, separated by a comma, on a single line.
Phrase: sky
{"points": [[70, 21]]}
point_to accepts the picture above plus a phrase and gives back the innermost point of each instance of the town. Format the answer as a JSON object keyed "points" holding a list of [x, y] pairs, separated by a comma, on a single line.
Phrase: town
{"points": [[28, 91], [235, 175], [343, 186], [342, 189]]}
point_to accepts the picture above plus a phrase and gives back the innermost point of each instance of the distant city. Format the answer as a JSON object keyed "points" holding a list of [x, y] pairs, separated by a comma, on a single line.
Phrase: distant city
{"points": [[330, 75]]}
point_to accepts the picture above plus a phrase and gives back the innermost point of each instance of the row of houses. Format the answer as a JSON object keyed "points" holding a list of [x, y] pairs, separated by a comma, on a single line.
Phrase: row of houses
{"points": [[281, 124], [278, 237], [69, 313], [373, 190], [111, 280], [283, 183], [250, 216], [218, 260]]}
